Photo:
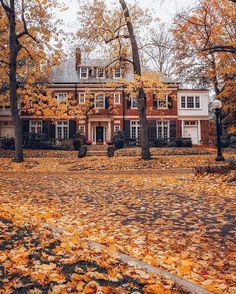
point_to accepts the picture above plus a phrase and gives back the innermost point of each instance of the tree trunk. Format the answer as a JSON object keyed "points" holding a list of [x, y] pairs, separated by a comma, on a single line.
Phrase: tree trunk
{"points": [[14, 49], [145, 151]]}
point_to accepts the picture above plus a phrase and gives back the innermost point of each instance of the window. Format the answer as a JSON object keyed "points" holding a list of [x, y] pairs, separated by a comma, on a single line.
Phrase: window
{"points": [[81, 98], [134, 102], [197, 102], [100, 101], [61, 97], [183, 102], [161, 102], [116, 98], [101, 73], [62, 129], [190, 102], [135, 129], [117, 73], [35, 126], [83, 72], [117, 128], [163, 129]]}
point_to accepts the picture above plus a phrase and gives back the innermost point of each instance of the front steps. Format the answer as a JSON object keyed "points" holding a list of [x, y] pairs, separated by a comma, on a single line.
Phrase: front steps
{"points": [[97, 150]]}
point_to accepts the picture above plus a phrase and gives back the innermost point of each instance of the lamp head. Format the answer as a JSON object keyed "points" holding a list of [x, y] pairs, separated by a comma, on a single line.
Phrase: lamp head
{"points": [[216, 104]]}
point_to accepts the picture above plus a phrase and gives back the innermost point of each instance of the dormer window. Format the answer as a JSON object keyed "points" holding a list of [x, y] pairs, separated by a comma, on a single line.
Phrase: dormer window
{"points": [[117, 73], [83, 72], [101, 73]]}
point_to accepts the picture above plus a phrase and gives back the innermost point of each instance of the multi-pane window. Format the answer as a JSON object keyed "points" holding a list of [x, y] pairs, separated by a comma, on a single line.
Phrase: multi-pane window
{"points": [[183, 102], [134, 102], [160, 102], [62, 129], [83, 72], [191, 102], [135, 129], [163, 129], [61, 97], [101, 73], [36, 126], [81, 98], [100, 101], [117, 73], [116, 98]]}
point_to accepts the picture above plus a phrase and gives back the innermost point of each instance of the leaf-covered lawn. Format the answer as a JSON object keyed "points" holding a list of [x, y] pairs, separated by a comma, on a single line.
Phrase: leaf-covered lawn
{"points": [[178, 222]]}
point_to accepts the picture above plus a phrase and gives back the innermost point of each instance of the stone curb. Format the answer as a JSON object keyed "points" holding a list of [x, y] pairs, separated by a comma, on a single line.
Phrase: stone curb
{"points": [[186, 285]]}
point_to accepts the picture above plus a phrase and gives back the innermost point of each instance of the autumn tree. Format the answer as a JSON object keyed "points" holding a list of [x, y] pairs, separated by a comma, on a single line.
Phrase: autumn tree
{"points": [[198, 29], [113, 32], [26, 57]]}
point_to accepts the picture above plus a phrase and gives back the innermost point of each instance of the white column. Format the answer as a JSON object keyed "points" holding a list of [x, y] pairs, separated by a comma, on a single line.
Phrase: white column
{"points": [[89, 131], [199, 131], [182, 128], [109, 131]]}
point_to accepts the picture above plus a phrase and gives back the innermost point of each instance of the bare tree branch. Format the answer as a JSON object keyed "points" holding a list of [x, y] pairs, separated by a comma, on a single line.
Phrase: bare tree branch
{"points": [[6, 8]]}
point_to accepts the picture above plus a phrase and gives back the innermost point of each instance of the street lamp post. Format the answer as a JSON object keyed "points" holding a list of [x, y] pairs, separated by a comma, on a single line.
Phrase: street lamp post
{"points": [[216, 104]]}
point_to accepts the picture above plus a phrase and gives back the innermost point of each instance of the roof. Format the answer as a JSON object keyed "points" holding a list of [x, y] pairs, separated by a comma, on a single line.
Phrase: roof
{"points": [[66, 73]]}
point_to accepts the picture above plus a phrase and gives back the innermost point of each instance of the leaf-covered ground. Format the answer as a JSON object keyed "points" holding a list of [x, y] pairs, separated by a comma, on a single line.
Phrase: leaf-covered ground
{"points": [[51, 207]]}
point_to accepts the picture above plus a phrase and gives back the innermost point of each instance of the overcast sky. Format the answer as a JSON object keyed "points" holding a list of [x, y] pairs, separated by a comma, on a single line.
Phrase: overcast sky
{"points": [[164, 9]]}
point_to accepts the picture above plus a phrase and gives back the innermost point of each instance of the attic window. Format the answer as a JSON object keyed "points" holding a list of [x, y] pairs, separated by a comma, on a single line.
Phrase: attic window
{"points": [[101, 73], [117, 73], [83, 72]]}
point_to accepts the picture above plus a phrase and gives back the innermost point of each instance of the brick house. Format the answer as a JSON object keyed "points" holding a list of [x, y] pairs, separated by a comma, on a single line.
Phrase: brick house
{"points": [[183, 113]]}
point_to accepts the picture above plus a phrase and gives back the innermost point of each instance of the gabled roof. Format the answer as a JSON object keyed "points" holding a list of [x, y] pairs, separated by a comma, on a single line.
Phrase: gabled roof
{"points": [[66, 73]]}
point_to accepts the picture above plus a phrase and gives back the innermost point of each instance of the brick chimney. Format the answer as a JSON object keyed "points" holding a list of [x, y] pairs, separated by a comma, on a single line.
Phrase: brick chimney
{"points": [[77, 58]]}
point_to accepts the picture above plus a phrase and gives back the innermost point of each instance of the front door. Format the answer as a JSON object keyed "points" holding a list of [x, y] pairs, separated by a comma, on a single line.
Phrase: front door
{"points": [[191, 132], [99, 135]]}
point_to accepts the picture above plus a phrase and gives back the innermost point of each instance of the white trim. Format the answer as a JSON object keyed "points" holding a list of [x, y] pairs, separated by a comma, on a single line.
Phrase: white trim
{"points": [[84, 96], [199, 132], [61, 93], [133, 100], [114, 72], [137, 128], [114, 97], [98, 119], [87, 70], [162, 125], [65, 124], [186, 102], [104, 101], [148, 116], [104, 73], [38, 124]]}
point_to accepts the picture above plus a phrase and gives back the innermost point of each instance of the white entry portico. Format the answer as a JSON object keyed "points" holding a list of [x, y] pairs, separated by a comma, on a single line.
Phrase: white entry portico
{"points": [[99, 130]]}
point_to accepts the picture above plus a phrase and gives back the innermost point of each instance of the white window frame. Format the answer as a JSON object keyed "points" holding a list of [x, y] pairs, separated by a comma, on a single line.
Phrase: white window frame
{"points": [[160, 100], [184, 102], [115, 71], [61, 97], [191, 123], [95, 102], [82, 98], [103, 73], [87, 72], [133, 101], [134, 125], [63, 124], [116, 95], [37, 125], [163, 124]]}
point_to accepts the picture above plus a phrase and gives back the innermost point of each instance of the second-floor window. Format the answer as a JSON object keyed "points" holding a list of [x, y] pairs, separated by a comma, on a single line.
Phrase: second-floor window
{"points": [[116, 98], [81, 98], [100, 101], [160, 102], [134, 102], [190, 102], [35, 126], [61, 97]]}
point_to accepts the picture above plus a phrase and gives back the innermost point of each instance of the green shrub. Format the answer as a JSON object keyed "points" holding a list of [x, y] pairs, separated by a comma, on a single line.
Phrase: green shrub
{"points": [[171, 144], [76, 144], [187, 143], [179, 142], [232, 141], [160, 143], [8, 143], [118, 139]]}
